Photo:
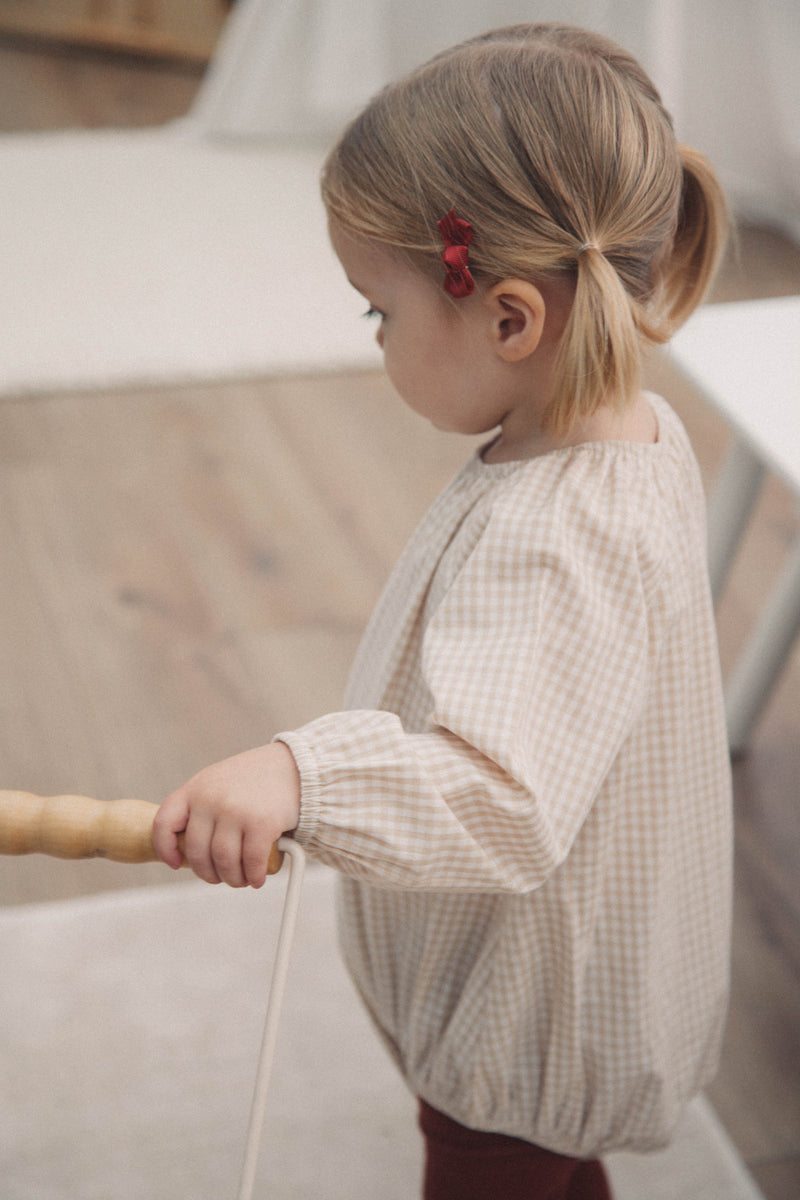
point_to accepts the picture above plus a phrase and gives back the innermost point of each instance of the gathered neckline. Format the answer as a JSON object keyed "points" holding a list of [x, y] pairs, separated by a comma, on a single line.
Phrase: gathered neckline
{"points": [[605, 446]]}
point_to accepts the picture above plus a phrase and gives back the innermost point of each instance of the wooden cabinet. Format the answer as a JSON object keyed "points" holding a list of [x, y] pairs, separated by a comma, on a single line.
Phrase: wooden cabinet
{"points": [[186, 29]]}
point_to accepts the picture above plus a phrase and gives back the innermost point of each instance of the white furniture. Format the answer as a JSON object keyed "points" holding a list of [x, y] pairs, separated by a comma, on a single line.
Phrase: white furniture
{"points": [[745, 359]]}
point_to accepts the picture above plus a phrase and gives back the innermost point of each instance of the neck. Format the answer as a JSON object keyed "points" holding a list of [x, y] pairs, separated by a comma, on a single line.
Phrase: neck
{"points": [[634, 423]]}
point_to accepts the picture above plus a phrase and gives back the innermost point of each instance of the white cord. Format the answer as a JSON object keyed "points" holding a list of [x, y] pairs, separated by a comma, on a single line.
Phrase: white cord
{"points": [[297, 861]]}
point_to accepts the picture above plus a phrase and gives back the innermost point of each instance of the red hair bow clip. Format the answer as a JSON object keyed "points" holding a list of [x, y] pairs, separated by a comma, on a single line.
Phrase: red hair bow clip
{"points": [[457, 235]]}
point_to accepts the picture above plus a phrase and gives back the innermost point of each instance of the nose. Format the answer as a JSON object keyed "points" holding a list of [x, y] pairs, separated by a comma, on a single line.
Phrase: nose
{"points": [[379, 338]]}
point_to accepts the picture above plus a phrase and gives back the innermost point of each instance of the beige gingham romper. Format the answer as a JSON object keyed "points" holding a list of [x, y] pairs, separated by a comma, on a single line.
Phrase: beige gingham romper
{"points": [[528, 798]]}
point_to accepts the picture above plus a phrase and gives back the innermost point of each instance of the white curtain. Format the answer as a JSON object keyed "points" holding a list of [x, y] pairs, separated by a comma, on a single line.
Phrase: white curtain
{"points": [[728, 69]]}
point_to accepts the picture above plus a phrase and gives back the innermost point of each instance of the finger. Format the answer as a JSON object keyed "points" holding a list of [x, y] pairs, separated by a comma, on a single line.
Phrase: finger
{"points": [[226, 854], [256, 849], [170, 820], [197, 847]]}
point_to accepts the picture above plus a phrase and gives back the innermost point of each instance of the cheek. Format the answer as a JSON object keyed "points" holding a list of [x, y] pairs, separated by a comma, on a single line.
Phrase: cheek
{"points": [[404, 373]]}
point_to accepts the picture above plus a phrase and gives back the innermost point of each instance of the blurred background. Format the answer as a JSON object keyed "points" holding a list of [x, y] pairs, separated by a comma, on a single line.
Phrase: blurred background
{"points": [[198, 506]]}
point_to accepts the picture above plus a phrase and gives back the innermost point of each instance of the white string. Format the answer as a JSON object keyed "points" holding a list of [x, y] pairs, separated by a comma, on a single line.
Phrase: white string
{"points": [[297, 861]]}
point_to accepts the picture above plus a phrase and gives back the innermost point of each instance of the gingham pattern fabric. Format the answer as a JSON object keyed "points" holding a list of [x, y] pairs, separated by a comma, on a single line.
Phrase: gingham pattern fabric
{"points": [[528, 798]]}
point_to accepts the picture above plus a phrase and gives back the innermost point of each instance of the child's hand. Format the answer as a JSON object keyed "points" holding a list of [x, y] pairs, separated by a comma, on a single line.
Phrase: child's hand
{"points": [[232, 813]]}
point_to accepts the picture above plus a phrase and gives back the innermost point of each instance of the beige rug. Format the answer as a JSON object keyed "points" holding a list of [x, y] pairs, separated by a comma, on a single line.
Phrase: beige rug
{"points": [[131, 1023]]}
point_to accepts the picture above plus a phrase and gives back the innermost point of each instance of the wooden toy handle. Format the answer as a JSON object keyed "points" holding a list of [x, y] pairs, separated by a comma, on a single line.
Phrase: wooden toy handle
{"points": [[79, 827]]}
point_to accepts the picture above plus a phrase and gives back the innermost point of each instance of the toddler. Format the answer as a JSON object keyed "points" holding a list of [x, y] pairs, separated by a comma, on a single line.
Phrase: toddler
{"points": [[527, 794]]}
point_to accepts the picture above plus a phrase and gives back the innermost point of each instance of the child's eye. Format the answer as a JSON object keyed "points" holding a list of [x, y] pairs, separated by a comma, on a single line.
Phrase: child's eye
{"points": [[374, 312]]}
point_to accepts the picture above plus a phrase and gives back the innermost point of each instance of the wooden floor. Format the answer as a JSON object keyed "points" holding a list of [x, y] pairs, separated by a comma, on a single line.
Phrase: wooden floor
{"points": [[186, 571]]}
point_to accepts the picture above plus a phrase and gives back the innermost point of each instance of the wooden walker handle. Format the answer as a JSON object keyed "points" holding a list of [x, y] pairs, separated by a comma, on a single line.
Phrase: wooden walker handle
{"points": [[79, 827]]}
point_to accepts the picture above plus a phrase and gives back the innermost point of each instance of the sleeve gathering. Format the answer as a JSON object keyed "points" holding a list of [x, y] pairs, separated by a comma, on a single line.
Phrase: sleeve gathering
{"points": [[534, 666]]}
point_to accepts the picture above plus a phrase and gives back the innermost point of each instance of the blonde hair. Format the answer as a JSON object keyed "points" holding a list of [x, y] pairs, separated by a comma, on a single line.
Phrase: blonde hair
{"points": [[554, 144]]}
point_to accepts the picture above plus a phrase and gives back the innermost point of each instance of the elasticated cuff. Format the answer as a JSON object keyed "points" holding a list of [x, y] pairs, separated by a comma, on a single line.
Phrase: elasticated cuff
{"points": [[310, 785]]}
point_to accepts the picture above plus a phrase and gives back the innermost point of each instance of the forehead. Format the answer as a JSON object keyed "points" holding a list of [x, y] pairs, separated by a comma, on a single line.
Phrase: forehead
{"points": [[383, 277], [364, 261]]}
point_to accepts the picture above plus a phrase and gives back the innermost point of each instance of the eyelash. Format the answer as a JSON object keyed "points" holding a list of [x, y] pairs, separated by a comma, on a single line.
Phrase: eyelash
{"points": [[373, 312]]}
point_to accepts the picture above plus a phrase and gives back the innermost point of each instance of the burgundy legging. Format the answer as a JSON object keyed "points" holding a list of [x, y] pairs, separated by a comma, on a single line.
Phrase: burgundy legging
{"points": [[465, 1164]]}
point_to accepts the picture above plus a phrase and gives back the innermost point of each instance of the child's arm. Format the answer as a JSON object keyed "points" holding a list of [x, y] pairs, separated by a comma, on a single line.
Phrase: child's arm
{"points": [[232, 813]]}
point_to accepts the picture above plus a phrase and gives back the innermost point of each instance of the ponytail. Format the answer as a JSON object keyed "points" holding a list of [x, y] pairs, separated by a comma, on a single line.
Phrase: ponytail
{"points": [[599, 359], [700, 238], [599, 355]]}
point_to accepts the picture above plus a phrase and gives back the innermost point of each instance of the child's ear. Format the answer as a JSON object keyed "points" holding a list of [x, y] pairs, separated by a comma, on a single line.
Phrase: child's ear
{"points": [[517, 313]]}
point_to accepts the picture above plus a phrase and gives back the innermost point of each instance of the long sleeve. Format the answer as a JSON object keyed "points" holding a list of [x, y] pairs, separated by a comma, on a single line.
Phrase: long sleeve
{"points": [[533, 667]]}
